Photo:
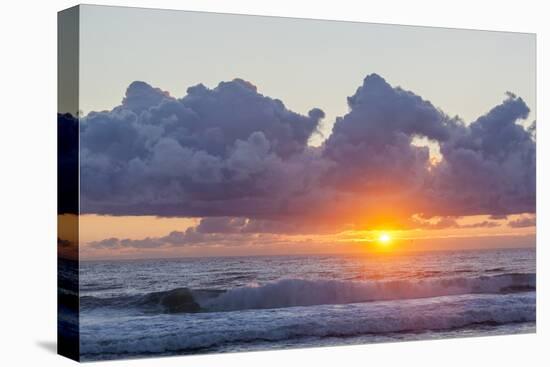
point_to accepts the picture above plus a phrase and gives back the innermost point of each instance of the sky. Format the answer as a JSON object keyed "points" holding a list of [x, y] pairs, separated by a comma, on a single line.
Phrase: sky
{"points": [[251, 135], [306, 63]]}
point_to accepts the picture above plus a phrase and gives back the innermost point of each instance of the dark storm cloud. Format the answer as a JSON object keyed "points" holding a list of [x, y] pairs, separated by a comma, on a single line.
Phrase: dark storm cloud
{"points": [[230, 153]]}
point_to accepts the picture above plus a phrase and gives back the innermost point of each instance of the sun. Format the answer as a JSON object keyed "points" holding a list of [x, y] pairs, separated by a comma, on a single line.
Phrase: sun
{"points": [[384, 238]]}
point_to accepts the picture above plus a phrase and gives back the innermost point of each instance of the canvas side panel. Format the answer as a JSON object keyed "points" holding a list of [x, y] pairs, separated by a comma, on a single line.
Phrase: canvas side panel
{"points": [[67, 183]]}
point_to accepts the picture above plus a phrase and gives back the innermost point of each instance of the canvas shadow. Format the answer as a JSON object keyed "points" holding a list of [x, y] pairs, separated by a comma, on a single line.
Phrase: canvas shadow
{"points": [[48, 345]]}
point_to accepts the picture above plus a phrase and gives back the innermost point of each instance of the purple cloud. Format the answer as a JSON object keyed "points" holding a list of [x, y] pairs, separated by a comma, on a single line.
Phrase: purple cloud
{"points": [[488, 166], [241, 160]]}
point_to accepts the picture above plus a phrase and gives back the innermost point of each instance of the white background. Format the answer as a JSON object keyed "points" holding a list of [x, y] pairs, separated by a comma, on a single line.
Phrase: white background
{"points": [[28, 182]]}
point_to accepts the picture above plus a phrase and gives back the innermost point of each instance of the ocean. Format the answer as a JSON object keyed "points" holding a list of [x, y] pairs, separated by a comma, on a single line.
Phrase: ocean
{"points": [[164, 307]]}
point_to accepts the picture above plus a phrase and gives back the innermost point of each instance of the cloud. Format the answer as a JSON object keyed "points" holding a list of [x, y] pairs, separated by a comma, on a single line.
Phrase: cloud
{"points": [[107, 243], [488, 166], [241, 161], [190, 237], [214, 149], [218, 231], [523, 221], [372, 144], [448, 222], [140, 96], [221, 225], [483, 224], [67, 249], [240, 225]]}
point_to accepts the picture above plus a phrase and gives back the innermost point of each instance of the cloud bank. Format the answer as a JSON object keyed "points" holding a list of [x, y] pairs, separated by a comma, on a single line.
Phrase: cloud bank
{"points": [[242, 160]]}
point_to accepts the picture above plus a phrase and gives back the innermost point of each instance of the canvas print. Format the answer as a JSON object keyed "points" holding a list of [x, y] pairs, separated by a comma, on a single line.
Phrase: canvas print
{"points": [[234, 183]]}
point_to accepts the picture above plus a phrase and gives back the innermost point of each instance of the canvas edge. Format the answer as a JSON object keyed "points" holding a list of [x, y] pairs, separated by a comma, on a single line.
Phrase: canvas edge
{"points": [[68, 322]]}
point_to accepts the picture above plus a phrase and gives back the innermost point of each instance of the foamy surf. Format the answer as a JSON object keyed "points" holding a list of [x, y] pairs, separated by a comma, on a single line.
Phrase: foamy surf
{"points": [[181, 333]]}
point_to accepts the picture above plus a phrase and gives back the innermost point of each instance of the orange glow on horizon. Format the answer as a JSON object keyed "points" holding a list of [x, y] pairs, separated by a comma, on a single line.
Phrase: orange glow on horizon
{"points": [[383, 237]]}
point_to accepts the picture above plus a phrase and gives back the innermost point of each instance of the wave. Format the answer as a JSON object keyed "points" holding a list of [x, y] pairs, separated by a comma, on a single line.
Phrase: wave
{"points": [[106, 338], [303, 292], [178, 300]]}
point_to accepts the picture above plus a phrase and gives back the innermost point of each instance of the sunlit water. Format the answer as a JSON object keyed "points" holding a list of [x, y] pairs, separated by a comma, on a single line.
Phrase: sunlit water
{"points": [[201, 305]]}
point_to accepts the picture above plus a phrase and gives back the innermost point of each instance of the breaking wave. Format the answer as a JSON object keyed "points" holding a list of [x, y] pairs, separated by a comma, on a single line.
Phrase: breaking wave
{"points": [[302, 292]]}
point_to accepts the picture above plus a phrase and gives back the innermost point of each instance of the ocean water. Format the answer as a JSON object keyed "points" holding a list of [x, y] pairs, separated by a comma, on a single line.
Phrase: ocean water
{"points": [[204, 305]]}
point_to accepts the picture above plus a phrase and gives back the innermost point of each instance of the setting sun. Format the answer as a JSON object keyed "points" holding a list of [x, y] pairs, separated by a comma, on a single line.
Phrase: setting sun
{"points": [[384, 238]]}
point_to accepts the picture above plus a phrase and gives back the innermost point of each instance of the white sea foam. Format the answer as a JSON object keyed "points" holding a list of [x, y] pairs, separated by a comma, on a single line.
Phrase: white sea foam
{"points": [[188, 333]]}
